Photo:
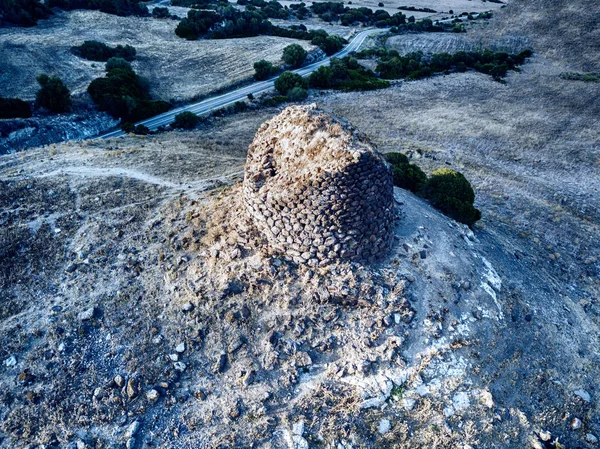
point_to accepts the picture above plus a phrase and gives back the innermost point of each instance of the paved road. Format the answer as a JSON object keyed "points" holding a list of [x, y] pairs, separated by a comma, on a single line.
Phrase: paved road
{"points": [[218, 102]]}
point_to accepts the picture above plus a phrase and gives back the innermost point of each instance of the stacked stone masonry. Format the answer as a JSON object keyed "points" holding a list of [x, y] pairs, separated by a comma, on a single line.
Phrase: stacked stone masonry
{"points": [[318, 190]]}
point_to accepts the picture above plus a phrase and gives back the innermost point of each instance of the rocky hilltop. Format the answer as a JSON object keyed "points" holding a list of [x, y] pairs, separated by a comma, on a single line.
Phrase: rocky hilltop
{"points": [[317, 190], [142, 307]]}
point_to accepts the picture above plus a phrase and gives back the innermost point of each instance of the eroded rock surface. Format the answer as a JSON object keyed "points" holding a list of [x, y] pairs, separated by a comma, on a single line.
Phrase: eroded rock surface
{"points": [[318, 191]]}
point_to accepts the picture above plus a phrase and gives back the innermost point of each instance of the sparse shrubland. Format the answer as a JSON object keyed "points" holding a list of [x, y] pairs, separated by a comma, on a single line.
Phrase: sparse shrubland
{"points": [[124, 94], [99, 51], [14, 108], [53, 94], [446, 189], [330, 44], [346, 74]]}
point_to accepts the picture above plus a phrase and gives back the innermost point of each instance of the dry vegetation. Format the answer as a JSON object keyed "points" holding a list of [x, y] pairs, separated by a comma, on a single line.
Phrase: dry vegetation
{"points": [[486, 339], [177, 69]]}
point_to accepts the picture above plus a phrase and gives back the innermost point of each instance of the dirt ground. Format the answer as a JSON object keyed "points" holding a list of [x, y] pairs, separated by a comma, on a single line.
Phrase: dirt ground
{"points": [[137, 308]]}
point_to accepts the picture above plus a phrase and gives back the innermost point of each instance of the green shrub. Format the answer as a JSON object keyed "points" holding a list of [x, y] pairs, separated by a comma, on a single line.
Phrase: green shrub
{"points": [[98, 51], [406, 175], [409, 177], [450, 192], [53, 94], [294, 55], [263, 70], [297, 94], [396, 158], [288, 80], [161, 12], [186, 120], [117, 63], [274, 100], [14, 108], [321, 78]]}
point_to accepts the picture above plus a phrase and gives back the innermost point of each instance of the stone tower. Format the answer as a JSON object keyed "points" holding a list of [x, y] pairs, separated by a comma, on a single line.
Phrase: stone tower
{"points": [[318, 191]]}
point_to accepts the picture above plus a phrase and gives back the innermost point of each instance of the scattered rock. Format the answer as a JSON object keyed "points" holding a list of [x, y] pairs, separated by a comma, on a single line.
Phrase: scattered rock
{"points": [[180, 348], [583, 395], [132, 430], [119, 381], [221, 363], [303, 360], [131, 389], [87, 314], [460, 401], [180, 366], [384, 426], [200, 394], [545, 435], [11, 361], [575, 424], [187, 307], [152, 395], [249, 377], [174, 357], [591, 438], [408, 403]]}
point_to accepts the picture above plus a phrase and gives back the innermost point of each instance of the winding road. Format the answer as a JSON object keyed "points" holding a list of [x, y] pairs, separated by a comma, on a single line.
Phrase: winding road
{"points": [[218, 102]]}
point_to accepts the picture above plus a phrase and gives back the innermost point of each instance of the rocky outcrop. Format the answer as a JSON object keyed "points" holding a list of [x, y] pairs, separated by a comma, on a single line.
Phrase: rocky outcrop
{"points": [[318, 190]]}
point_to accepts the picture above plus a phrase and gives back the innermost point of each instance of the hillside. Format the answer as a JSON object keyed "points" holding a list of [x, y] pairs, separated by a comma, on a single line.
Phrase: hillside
{"points": [[565, 31], [154, 294]]}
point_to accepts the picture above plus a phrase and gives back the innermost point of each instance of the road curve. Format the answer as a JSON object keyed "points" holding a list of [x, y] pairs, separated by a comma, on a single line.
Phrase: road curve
{"points": [[220, 101]]}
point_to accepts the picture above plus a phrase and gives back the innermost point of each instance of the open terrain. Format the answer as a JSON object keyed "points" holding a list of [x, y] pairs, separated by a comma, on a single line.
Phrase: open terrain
{"points": [[178, 70], [137, 308]]}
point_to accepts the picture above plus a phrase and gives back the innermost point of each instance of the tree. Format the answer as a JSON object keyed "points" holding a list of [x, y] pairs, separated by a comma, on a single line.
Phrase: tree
{"points": [[185, 120], [264, 70], [288, 80], [53, 94], [294, 55], [322, 77]]}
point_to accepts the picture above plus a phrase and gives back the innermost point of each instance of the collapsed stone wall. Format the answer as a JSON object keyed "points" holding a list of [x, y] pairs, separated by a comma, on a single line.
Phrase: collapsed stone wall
{"points": [[318, 191]]}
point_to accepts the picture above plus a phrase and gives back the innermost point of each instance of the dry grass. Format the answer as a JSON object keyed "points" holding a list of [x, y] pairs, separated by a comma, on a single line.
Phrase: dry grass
{"points": [[177, 69]]}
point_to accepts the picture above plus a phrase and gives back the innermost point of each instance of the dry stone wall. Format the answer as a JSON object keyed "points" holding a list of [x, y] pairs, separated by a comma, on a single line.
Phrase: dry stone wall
{"points": [[318, 190]]}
